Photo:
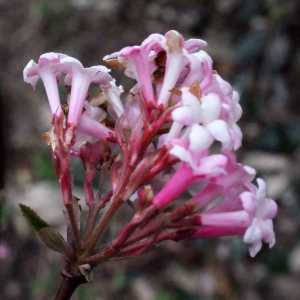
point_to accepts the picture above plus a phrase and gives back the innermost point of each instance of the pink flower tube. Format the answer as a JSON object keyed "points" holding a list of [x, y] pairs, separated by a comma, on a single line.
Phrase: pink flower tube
{"points": [[49, 69], [253, 219]]}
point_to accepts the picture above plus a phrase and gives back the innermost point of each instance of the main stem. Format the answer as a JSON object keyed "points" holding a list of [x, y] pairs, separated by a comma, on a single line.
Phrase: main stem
{"points": [[68, 287]]}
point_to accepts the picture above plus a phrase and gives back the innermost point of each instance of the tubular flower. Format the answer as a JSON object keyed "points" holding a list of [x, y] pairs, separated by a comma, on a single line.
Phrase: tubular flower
{"points": [[261, 211], [250, 216], [49, 69], [169, 147], [80, 79], [204, 109], [242, 208], [90, 130], [141, 62]]}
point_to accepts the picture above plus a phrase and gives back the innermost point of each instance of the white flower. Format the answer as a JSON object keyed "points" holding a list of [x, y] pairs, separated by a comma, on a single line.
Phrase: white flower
{"points": [[262, 210]]}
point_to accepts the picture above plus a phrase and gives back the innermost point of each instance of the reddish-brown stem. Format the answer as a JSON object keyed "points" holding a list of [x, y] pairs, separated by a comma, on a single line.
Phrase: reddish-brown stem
{"points": [[88, 191], [146, 245], [101, 182], [150, 229], [74, 226], [129, 229], [96, 259], [110, 250], [125, 173], [66, 187], [64, 176], [92, 242], [164, 222], [94, 209], [68, 287], [167, 160], [150, 243], [90, 171]]}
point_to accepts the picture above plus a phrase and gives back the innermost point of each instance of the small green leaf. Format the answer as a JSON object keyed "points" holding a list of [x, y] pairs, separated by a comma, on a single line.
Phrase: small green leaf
{"points": [[52, 239], [35, 221]]}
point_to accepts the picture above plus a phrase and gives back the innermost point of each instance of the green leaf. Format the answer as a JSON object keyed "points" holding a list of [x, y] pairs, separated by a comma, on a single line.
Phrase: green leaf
{"points": [[47, 234], [34, 220], [52, 239]]}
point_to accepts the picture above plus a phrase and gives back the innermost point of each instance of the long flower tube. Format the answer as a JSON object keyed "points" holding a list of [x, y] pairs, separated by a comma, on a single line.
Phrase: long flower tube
{"points": [[254, 221], [46, 69], [50, 68]]}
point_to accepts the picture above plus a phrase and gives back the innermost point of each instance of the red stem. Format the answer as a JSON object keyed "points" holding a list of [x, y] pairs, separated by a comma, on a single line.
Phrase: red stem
{"points": [[94, 209], [92, 242], [68, 287]]}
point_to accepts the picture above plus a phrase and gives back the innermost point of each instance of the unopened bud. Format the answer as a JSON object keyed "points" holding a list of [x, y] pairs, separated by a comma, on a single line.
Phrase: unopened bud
{"points": [[87, 272]]}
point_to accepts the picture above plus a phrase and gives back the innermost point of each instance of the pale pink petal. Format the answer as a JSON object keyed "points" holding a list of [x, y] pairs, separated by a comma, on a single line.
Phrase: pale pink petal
{"points": [[31, 74], [262, 189], [212, 165], [81, 78], [183, 115], [217, 84], [47, 70], [200, 138], [236, 136], [219, 130], [175, 63], [248, 200], [210, 108], [181, 153], [194, 45]]}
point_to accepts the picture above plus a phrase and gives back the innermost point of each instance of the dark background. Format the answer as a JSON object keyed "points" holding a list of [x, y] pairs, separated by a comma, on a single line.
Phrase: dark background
{"points": [[255, 46]]}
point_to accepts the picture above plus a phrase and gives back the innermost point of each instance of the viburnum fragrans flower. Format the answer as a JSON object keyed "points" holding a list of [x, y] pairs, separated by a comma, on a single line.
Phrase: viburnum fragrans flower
{"points": [[254, 221], [169, 148], [243, 208], [261, 211], [201, 109], [82, 126], [90, 130], [50, 67]]}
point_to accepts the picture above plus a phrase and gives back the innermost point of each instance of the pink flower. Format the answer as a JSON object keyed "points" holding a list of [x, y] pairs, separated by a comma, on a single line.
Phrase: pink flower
{"points": [[167, 135], [90, 130], [212, 114], [111, 94], [194, 152], [132, 110], [236, 179], [250, 214], [204, 167], [232, 205], [80, 79], [140, 64], [261, 210], [49, 69]]}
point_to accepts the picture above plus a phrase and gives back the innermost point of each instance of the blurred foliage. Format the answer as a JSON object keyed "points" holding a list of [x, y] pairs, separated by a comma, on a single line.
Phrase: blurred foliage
{"points": [[42, 167]]}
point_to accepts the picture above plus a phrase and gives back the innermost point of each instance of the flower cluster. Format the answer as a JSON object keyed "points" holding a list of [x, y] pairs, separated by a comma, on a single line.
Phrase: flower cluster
{"points": [[169, 148]]}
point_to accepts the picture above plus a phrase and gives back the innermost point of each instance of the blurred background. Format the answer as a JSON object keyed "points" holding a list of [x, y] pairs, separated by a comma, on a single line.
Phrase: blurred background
{"points": [[255, 45]]}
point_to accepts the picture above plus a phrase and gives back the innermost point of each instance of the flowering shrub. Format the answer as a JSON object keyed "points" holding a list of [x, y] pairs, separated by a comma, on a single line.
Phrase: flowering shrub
{"points": [[169, 150]]}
